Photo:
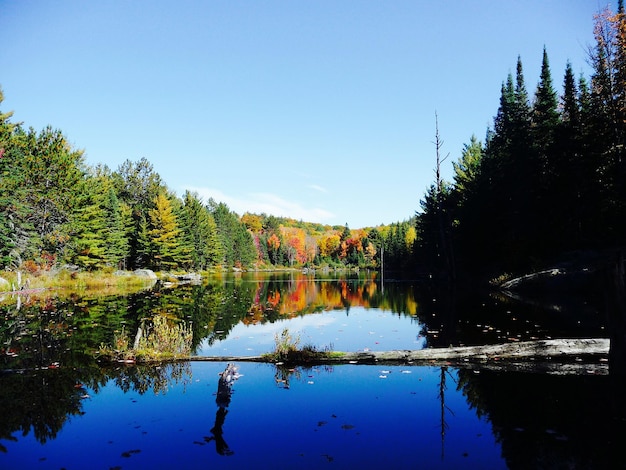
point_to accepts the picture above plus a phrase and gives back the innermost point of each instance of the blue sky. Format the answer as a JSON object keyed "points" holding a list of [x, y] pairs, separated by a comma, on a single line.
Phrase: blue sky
{"points": [[318, 110]]}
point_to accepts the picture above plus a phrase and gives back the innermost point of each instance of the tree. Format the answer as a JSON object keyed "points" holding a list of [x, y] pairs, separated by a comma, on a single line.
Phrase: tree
{"points": [[466, 169], [15, 231], [545, 167], [166, 250], [119, 220], [52, 171], [89, 227], [200, 232], [137, 184], [237, 242]]}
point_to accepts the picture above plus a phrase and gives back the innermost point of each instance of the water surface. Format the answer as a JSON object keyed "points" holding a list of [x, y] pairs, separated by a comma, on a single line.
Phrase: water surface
{"points": [[63, 409]]}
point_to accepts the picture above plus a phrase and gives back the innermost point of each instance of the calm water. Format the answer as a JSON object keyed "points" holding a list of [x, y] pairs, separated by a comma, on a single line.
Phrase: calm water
{"points": [[60, 409]]}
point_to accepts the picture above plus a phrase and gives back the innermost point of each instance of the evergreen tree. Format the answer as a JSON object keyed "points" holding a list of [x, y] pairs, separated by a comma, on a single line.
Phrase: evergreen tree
{"points": [[570, 199], [467, 168], [237, 242], [87, 248], [546, 167], [52, 171], [137, 185], [118, 219], [545, 115], [465, 197], [143, 257], [200, 232]]}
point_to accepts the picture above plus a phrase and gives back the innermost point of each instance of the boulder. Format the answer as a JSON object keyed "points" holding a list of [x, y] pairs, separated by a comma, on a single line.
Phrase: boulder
{"points": [[146, 273]]}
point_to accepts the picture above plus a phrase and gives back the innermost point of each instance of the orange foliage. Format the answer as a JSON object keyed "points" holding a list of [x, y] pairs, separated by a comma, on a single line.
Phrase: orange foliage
{"points": [[253, 222], [296, 239], [273, 242], [329, 244]]}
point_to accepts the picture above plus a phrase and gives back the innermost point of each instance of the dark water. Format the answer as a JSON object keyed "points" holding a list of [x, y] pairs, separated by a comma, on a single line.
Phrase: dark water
{"points": [[61, 409]]}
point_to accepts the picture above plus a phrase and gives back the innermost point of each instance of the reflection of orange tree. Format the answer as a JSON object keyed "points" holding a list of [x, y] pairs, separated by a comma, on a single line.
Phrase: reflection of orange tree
{"points": [[302, 295], [306, 297], [259, 307]]}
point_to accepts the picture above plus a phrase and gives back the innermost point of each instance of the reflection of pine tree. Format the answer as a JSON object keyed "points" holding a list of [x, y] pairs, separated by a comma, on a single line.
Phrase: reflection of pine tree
{"points": [[443, 373]]}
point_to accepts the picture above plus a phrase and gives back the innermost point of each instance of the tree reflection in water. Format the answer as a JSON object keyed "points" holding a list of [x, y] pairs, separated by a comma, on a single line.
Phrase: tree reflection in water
{"points": [[534, 418], [42, 401]]}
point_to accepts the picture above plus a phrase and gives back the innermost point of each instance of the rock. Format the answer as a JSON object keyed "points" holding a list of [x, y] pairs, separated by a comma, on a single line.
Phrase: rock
{"points": [[189, 277], [146, 273]]}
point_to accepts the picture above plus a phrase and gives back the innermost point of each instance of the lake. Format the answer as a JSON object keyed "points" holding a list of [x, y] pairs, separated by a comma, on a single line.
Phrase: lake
{"points": [[62, 409]]}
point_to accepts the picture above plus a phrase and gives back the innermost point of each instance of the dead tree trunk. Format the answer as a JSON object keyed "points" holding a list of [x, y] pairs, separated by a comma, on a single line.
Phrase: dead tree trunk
{"points": [[443, 222]]}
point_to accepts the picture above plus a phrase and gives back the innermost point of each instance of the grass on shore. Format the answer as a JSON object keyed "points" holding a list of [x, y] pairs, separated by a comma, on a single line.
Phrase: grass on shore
{"points": [[163, 340], [77, 281], [288, 350]]}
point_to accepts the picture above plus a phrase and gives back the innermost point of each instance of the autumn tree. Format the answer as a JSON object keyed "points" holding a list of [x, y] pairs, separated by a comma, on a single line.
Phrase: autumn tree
{"points": [[165, 245]]}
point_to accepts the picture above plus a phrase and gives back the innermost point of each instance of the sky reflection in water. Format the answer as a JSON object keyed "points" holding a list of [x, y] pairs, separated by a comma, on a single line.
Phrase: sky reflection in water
{"points": [[345, 416], [355, 330]]}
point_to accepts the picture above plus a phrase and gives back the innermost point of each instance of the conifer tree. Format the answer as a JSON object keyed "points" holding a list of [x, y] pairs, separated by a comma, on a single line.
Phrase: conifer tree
{"points": [[137, 185], [200, 232], [236, 240], [89, 227], [545, 169], [545, 116], [118, 219], [467, 168]]}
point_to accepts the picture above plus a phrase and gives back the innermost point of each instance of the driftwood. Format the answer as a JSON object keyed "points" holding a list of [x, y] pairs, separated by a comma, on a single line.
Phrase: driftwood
{"points": [[557, 356], [24, 291]]}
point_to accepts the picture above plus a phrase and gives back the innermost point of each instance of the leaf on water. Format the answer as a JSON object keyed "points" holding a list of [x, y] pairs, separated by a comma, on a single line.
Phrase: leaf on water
{"points": [[128, 453]]}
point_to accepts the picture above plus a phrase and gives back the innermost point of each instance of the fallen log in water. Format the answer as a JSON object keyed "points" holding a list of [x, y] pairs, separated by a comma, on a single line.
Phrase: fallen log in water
{"points": [[556, 356], [25, 291]]}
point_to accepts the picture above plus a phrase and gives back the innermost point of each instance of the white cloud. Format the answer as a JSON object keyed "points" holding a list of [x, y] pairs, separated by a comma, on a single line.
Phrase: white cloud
{"points": [[321, 189], [267, 203]]}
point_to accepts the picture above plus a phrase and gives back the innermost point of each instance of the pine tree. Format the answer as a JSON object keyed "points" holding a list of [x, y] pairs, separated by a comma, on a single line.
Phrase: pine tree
{"points": [[545, 168], [117, 247], [568, 174], [200, 232], [89, 228], [137, 185], [467, 168]]}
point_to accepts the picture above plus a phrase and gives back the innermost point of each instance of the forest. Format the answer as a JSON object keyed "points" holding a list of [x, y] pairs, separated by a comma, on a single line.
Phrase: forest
{"points": [[548, 180]]}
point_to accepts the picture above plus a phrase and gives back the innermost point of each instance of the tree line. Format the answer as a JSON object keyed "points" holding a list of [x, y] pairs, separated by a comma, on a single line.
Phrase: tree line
{"points": [[549, 179], [55, 210]]}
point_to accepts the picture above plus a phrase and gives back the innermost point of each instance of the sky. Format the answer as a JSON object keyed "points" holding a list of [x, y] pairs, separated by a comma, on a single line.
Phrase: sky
{"points": [[322, 111]]}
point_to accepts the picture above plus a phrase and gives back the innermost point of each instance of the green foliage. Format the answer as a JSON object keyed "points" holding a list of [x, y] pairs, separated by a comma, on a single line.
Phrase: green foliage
{"points": [[551, 177], [166, 249], [164, 340], [200, 233], [287, 349], [237, 243]]}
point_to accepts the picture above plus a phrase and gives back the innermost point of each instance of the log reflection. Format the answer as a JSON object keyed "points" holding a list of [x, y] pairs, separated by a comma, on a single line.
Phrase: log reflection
{"points": [[224, 393]]}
